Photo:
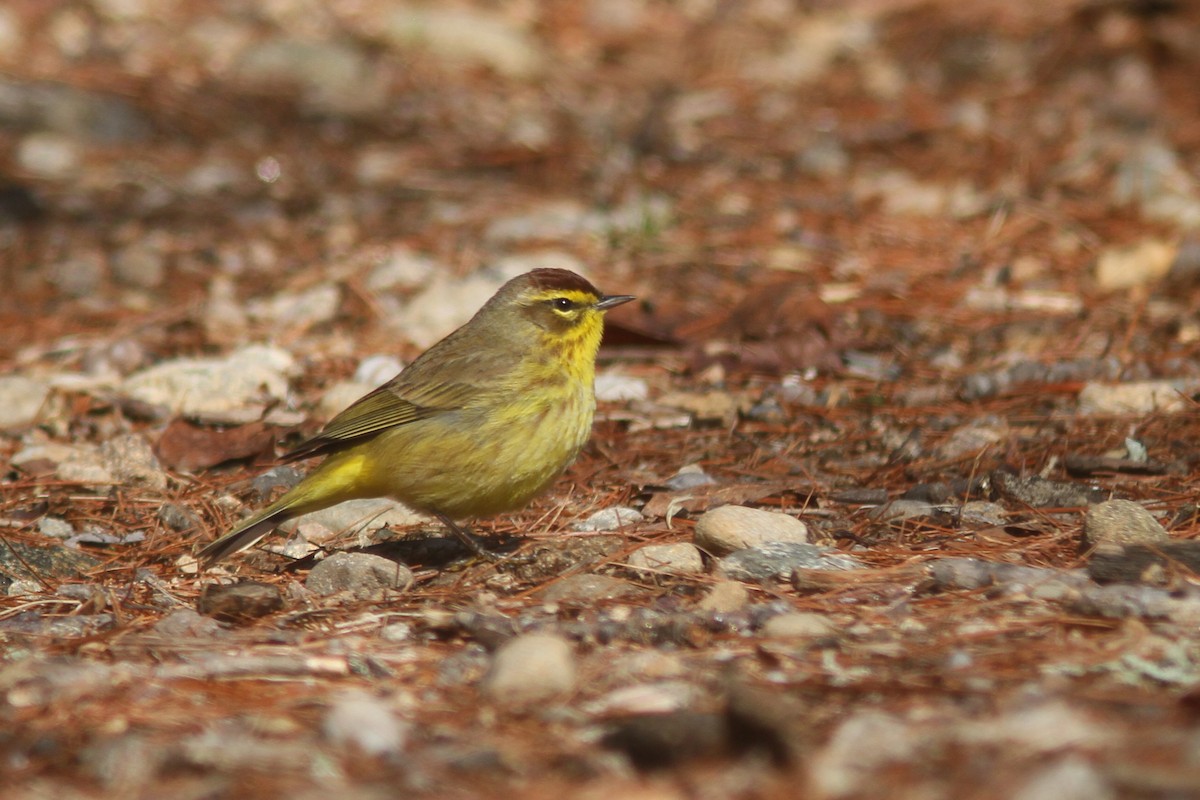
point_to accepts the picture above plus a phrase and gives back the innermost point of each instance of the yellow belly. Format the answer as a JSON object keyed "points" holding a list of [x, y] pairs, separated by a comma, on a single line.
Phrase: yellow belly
{"points": [[476, 462]]}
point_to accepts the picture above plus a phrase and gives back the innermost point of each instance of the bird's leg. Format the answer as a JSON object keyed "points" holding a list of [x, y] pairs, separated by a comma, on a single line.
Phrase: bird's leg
{"points": [[467, 539]]}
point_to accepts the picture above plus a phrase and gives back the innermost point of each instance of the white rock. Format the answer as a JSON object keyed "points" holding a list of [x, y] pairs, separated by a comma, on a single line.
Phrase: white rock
{"points": [[1133, 265], [359, 720], [377, 370], [531, 669], [609, 519], [359, 516], [613, 387], [299, 309], [464, 35], [235, 388], [645, 698], [1070, 778], [131, 460], [403, 269], [730, 528], [21, 399], [671, 559], [342, 395], [1137, 397], [49, 155], [447, 302], [333, 77], [859, 748], [799, 625]]}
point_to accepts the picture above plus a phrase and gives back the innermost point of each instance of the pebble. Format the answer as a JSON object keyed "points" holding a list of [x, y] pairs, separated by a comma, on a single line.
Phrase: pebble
{"points": [[21, 400], [462, 35], [688, 477], [779, 559], [1137, 397], [1121, 522], [983, 512], [609, 519], [239, 602], [1069, 778], [377, 369], [1132, 265], [725, 597], [799, 625], [132, 462], [363, 575], [53, 156], [55, 527], [361, 721], [232, 389], [728, 528], [902, 508], [588, 588], [403, 269], [298, 310], [670, 559], [185, 623], [531, 669], [359, 516], [861, 746], [1039, 492], [645, 698], [334, 77], [971, 439], [141, 265], [614, 387]]}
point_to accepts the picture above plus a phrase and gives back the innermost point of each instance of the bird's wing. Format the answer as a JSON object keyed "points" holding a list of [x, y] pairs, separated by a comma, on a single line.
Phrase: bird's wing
{"points": [[381, 410]]}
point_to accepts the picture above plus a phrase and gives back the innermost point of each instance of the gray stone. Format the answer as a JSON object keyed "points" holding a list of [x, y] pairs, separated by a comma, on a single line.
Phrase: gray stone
{"points": [[669, 559], [359, 516], [131, 461], [729, 528], [779, 559], [1070, 778], [363, 722], [588, 588], [463, 35], [141, 265], [301, 310], [614, 387], [531, 669], [21, 399], [1121, 522], [609, 519], [902, 508], [332, 77], [363, 575], [688, 477]]}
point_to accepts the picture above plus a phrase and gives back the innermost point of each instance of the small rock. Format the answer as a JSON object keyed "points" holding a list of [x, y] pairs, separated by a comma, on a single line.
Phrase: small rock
{"points": [[21, 400], [1138, 397], [1121, 522], [588, 588], [49, 155], [178, 518], [403, 268], [141, 265], [359, 516], [1038, 492], [363, 575], [298, 310], [55, 528], [729, 528], [669, 559], [658, 740], [609, 519], [902, 508], [332, 77], [1141, 263], [531, 669], [1070, 778], [645, 698], [131, 461], [446, 302], [799, 625], [81, 275], [358, 720], [245, 600], [466, 35], [688, 477], [861, 747], [233, 389], [613, 387], [184, 624], [378, 369], [725, 597], [983, 512], [971, 439], [779, 559]]}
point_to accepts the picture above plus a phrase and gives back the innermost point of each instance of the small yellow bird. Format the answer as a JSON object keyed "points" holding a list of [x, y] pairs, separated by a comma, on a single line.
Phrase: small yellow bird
{"points": [[479, 424]]}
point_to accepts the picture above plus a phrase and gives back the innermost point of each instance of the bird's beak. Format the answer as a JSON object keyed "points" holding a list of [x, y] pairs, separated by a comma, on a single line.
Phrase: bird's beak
{"points": [[612, 301]]}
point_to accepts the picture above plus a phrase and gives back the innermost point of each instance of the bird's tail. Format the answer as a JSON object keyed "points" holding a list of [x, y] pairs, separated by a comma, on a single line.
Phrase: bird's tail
{"points": [[245, 535]]}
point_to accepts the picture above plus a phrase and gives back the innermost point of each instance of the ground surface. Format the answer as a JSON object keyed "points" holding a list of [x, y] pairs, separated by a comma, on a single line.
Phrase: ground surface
{"points": [[920, 274]]}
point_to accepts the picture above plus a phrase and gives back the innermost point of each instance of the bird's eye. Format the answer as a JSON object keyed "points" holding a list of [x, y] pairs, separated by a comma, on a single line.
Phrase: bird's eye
{"points": [[563, 304]]}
